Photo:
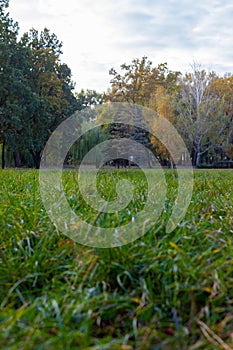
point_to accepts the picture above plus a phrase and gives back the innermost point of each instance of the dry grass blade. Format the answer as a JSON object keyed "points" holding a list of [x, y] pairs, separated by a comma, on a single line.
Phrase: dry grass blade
{"points": [[211, 336]]}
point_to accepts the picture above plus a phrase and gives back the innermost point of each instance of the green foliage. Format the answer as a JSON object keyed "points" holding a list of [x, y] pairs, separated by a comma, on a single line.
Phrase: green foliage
{"points": [[3, 5], [89, 98], [8, 44], [85, 143], [36, 89], [52, 87], [160, 292]]}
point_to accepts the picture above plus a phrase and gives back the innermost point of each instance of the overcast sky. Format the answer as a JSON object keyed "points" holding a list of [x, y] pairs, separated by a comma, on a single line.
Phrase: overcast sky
{"points": [[98, 35]]}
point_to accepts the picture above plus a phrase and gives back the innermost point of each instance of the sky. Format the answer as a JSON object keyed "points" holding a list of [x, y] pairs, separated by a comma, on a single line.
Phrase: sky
{"points": [[99, 35]]}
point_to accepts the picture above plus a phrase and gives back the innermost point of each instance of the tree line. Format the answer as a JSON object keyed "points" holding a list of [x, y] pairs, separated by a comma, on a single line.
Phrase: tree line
{"points": [[199, 104], [37, 94], [36, 91]]}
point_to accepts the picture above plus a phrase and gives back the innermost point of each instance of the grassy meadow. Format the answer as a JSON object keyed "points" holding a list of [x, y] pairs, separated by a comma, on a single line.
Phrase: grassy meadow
{"points": [[163, 291]]}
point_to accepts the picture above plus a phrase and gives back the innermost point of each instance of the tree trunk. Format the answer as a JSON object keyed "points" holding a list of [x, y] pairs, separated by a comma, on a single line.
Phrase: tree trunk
{"points": [[198, 158], [148, 159], [198, 153], [37, 158], [171, 166], [17, 159], [3, 154]]}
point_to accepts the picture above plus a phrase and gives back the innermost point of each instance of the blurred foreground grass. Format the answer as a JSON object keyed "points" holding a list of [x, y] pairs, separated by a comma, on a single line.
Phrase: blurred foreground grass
{"points": [[161, 292]]}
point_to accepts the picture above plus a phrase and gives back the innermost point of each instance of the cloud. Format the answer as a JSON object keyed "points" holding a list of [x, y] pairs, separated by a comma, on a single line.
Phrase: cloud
{"points": [[99, 35]]}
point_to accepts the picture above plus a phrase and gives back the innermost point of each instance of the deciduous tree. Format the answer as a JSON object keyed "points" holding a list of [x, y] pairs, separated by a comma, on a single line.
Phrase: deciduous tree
{"points": [[200, 119]]}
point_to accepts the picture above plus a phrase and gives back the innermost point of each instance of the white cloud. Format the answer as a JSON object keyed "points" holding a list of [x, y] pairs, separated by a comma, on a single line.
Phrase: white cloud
{"points": [[99, 35]]}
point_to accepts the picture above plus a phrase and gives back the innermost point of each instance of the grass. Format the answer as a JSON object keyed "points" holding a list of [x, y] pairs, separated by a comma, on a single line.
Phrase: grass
{"points": [[164, 291]]}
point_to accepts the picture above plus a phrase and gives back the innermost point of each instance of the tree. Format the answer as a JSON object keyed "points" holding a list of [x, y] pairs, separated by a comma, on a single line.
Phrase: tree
{"points": [[87, 101], [91, 137], [52, 87], [89, 98], [162, 101], [149, 86], [138, 81], [8, 44], [36, 89], [222, 88], [199, 115]]}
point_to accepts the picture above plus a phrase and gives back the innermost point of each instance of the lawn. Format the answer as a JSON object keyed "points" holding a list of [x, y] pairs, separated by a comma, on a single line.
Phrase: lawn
{"points": [[163, 291]]}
